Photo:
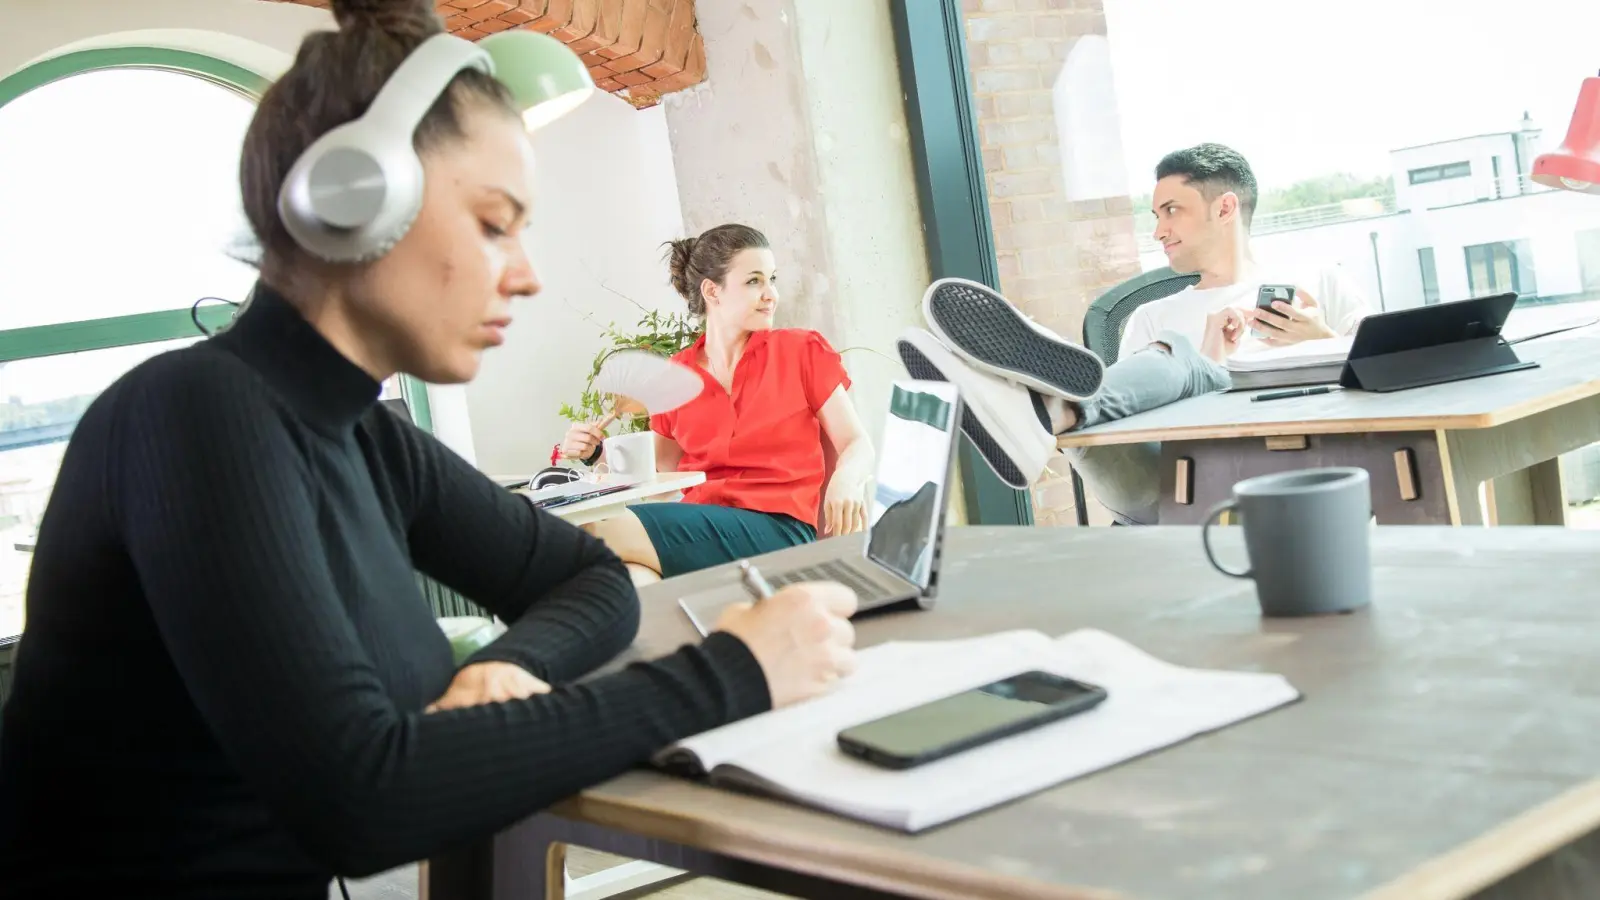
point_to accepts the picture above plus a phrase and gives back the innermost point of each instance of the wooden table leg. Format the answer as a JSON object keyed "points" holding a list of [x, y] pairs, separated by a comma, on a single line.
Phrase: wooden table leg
{"points": [[1534, 496], [1520, 462], [555, 871]]}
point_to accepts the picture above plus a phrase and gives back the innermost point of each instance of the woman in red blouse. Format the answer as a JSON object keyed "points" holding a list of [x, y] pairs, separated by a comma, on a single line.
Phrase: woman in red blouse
{"points": [[772, 395]]}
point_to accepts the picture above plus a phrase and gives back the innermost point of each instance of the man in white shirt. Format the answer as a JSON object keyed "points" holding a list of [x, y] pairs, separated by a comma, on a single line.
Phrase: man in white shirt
{"points": [[1022, 384], [1204, 201]]}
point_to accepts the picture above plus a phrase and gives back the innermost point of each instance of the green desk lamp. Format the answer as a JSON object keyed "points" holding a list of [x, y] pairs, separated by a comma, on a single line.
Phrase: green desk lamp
{"points": [[545, 77]]}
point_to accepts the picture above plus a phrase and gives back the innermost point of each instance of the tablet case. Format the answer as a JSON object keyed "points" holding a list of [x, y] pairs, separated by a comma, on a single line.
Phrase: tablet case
{"points": [[1432, 345]]}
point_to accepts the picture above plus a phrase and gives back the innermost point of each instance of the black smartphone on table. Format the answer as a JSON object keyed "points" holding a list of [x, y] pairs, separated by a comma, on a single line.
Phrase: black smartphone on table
{"points": [[969, 719]]}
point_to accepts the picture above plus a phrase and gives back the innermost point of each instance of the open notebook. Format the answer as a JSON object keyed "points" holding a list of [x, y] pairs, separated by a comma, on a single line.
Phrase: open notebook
{"points": [[792, 753]]}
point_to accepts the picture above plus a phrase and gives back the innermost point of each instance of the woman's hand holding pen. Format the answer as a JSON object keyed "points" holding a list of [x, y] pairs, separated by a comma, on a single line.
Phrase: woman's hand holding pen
{"points": [[802, 637]]}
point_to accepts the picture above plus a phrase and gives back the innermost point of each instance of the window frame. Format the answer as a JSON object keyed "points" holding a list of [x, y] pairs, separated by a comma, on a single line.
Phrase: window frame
{"points": [[1441, 172], [161, 325], [1517, 253], [941, 118], [1428, 265], [1588, 267]]}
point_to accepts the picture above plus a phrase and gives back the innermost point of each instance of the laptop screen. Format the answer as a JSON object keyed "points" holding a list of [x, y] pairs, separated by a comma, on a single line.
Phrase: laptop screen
{"points": [[914, 461]]}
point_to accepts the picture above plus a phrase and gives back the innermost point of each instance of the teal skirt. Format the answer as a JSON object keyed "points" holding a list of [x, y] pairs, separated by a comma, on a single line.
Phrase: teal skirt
{"points": [[689, 537]]}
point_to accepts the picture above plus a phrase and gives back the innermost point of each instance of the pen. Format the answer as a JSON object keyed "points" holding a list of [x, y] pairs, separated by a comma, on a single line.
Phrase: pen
{"points": [[1303, 392], [751, 578]]}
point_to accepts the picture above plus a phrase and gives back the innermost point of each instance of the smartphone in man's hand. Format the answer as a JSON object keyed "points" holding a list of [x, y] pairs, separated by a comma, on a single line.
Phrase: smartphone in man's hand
{"points": [[1268, 295]]}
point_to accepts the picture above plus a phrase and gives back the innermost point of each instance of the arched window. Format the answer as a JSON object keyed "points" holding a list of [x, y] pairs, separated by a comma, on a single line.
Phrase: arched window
{"points": [[120, 200]]}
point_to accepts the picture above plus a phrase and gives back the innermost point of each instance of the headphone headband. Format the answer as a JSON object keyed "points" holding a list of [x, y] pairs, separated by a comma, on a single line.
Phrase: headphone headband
{"points": [[411, 91], [353, 194]]}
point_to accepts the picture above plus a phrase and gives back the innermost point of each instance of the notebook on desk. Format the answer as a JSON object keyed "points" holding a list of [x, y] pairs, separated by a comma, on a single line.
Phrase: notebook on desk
{"points": [[793, 753]]}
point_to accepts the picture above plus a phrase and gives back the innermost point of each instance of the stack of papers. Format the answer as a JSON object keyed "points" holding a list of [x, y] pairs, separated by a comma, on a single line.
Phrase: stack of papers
{"points": [[1332, 350], [1311, 362], [793, 753]]}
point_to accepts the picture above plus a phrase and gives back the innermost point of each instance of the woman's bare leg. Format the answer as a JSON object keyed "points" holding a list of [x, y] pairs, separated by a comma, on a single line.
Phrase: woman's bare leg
{"points": [[626, 537]]}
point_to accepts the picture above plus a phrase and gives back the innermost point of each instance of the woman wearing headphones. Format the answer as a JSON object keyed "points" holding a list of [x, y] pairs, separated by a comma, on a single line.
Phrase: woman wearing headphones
{"points": [[230, 685], [771, 397]]}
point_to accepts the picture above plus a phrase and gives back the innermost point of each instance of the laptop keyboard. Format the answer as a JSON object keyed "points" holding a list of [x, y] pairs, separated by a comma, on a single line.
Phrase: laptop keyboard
{"points": [[867, 590]]}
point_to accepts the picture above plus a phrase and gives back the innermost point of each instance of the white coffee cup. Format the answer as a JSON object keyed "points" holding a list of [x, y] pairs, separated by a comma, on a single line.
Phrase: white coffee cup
{"points": [[631, 456]]}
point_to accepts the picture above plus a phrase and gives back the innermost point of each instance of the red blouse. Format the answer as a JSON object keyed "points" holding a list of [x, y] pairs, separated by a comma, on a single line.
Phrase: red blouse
{"points": [[761, 446]]}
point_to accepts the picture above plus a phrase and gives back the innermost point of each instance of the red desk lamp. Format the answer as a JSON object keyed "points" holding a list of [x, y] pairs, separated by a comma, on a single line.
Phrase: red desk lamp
{"points": [[1576, 165]]}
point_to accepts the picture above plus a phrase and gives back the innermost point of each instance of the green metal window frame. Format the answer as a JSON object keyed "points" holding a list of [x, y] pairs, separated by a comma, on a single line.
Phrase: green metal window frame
{"points": [[163, 325], [931, 45]]}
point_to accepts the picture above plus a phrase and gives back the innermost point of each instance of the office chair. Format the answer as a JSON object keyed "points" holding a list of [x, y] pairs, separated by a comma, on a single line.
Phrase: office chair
{"points": [[1102, 332]]}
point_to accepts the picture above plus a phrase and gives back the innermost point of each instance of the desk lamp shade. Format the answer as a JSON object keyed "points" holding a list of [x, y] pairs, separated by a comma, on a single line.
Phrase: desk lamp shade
{"points": [[544, 76], [1576, 165]]}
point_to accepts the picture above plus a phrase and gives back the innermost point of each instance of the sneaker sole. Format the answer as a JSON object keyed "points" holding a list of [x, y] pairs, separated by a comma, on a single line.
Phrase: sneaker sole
{"points": [[923, 369], [994, 335]]}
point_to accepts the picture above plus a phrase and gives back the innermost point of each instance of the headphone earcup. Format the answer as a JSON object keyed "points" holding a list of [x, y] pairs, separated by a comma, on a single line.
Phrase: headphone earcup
{"points": [[347, 188], [353, 194]]}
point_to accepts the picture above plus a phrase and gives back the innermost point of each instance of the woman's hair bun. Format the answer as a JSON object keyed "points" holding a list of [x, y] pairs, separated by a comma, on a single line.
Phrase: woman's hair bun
{"points": [[400, 18], [679, 253]]}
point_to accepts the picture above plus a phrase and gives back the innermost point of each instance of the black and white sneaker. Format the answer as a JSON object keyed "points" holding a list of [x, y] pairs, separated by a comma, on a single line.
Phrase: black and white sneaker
{"points": [[995, 337], [1005, 421]]}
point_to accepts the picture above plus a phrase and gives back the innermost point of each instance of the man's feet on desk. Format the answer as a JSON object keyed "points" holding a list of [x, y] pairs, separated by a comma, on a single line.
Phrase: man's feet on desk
{"points": [[1006, 422], [996, 338]]}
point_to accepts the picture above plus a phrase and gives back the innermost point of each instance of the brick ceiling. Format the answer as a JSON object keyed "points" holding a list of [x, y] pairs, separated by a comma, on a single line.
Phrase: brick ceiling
{"points": [[636, 49]]}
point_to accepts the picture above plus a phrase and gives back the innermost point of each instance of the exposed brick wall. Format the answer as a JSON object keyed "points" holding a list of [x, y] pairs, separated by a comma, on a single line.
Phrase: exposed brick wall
{"points": [[636, 49], [1056, 256]]}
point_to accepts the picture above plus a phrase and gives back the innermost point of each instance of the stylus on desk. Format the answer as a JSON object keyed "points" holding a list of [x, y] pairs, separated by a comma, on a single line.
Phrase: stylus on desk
{"points": [[1284, 395], [751, 578]]}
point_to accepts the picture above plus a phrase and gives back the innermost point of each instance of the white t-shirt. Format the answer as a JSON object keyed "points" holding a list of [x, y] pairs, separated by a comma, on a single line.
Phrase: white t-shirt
{"points": [[1343, 305]]}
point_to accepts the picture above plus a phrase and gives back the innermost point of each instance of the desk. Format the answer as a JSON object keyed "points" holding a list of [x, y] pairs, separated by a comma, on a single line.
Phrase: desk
{"points": [[1505, 430], [665, 486], [1444, 748]]}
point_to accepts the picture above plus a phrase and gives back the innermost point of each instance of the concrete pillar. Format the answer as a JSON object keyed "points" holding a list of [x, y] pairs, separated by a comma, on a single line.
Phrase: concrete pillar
{"points": [[799, 130]]}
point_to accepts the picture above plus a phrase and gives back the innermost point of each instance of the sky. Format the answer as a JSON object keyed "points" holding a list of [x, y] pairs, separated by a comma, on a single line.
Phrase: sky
{"points": [[1302, 91]]}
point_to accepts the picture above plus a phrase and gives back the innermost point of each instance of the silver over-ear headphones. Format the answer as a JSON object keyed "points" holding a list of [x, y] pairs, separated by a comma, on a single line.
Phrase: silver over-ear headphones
{"points": [[353, 194]]}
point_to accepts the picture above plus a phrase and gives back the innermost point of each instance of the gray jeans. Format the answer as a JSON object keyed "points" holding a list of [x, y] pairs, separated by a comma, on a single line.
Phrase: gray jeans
{"points": [[1126, 478]]}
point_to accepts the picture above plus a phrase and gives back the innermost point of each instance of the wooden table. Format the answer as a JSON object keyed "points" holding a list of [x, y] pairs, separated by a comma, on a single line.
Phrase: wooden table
{"points": [[1428, 449], [1445, 747], [665, 486]]}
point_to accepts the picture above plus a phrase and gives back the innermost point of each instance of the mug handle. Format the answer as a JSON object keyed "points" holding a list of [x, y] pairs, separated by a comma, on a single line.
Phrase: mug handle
{"points": [[1205, 538]]}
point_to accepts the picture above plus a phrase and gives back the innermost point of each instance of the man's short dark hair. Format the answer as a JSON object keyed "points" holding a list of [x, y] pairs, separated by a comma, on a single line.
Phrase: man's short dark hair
{"points": [[1214, 170]]}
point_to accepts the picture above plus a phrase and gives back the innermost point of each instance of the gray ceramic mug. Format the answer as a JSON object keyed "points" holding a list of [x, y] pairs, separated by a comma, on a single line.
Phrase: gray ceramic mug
{"points": [[1309, 537]]}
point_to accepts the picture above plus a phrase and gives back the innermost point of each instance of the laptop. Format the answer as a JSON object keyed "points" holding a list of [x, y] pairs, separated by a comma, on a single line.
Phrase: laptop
{"points": [[899, 560]]}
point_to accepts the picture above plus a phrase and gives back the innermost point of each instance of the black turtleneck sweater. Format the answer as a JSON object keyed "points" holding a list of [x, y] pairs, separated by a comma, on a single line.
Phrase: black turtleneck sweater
{"points": [[220, 690]]}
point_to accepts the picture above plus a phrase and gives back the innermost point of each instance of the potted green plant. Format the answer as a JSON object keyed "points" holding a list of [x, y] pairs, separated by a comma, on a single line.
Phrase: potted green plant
{"points": [[665, 333]]}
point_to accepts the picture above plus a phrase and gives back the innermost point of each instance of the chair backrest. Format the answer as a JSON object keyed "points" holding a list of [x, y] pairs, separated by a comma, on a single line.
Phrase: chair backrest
{"points": [[1108, 314]]}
